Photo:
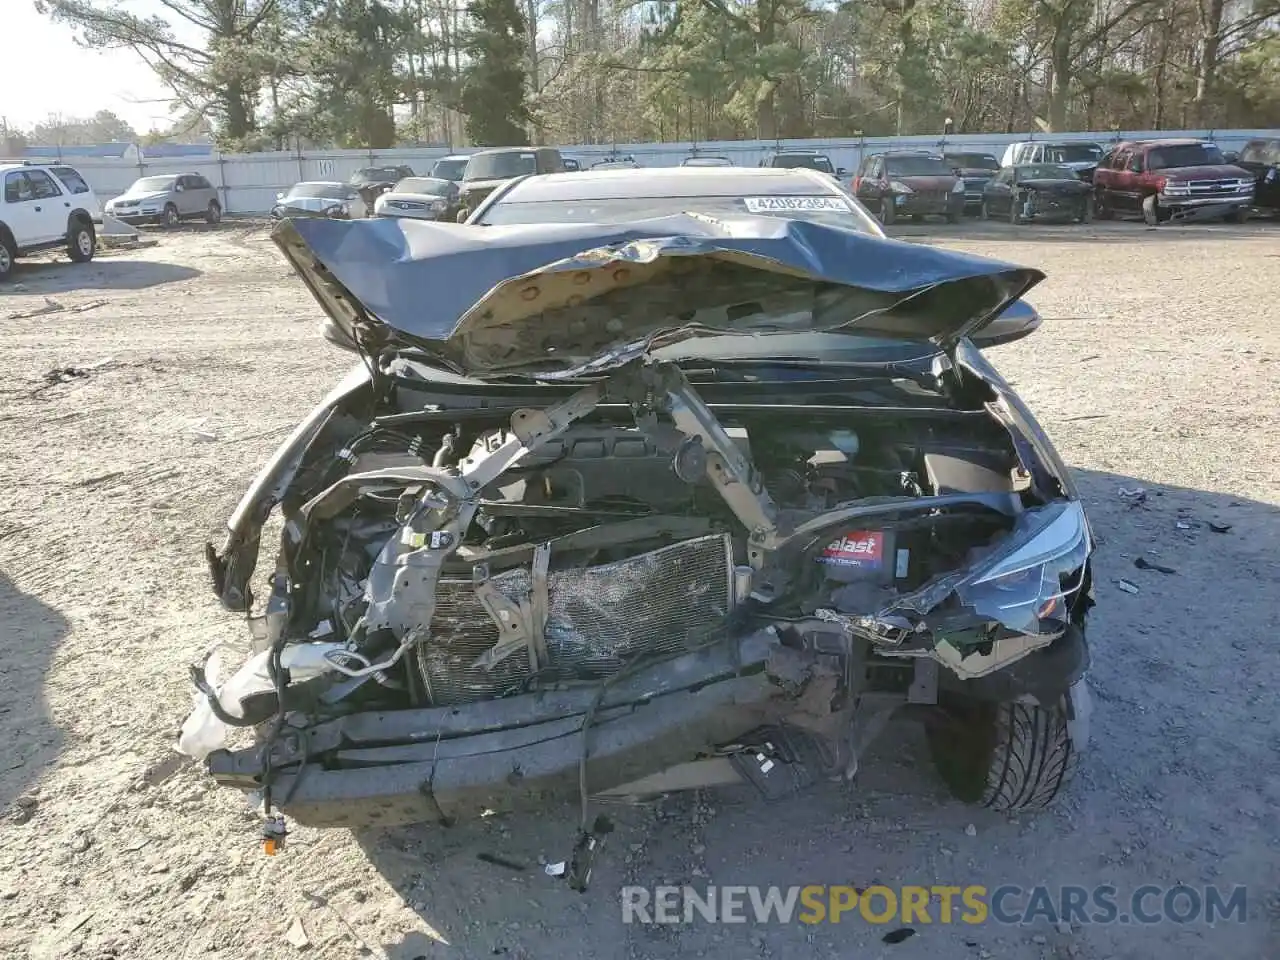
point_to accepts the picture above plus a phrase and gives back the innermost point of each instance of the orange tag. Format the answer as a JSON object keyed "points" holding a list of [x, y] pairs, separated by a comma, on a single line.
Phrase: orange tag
{"points": [[270, 846]]}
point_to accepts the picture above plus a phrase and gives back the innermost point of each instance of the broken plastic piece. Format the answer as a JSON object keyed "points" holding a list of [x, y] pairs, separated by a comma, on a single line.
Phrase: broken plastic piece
{"points": [[1142, 563], [1219, 527], [588, 847], [1126, 586], [554, 869]]}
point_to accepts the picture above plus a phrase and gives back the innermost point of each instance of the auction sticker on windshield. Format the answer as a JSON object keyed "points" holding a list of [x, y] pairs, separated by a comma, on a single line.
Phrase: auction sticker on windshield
{"points": [[785, 204]]}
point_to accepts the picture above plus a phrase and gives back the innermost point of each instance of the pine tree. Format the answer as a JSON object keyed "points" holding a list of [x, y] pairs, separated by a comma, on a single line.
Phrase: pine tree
{"points": [[494, 91]]}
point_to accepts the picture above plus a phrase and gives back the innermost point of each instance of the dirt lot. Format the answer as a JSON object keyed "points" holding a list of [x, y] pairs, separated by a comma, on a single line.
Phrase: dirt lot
{"points": [[1158, 367]]}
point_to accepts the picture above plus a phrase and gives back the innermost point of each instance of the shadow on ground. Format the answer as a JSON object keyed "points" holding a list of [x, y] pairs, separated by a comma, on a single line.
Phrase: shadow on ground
{"points": [[32, 741], [1183, 642], [103, 273]]}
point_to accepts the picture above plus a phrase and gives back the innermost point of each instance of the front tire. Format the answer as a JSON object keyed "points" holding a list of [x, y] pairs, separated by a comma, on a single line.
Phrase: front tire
{"points": [[1101, 209], [887, 213], [171, 217], [82, 241], [985, 212], [214, 213], [1006, 756], [1238, 215], [953, 216], [8, 254], [1151, 213], [1086, 210], [1015, 205]]}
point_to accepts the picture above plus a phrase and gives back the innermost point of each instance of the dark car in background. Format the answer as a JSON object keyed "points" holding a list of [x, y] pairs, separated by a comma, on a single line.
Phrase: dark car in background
{"points": [[1081, 156], [487, 170], [1037, 191], [320, 198], [451, 167], [1262, 159], [808, 159], [910, 183], [976, 170], [1176, 179], [373, 181]]}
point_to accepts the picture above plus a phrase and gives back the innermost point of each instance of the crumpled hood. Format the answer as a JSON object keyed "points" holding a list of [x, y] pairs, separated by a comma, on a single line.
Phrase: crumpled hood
{"points": [[556, 298]]}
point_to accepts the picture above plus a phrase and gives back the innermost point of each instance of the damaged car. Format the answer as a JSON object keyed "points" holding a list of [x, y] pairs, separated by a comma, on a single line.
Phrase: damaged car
{"points": [[612, 510]]}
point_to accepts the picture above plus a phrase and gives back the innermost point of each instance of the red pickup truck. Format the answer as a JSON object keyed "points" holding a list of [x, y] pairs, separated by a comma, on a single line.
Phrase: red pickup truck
{"points": [[1171, 180]]}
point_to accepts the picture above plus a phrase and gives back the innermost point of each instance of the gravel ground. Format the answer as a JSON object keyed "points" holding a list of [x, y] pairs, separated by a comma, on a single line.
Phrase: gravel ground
{"points": [[1158, 367]]}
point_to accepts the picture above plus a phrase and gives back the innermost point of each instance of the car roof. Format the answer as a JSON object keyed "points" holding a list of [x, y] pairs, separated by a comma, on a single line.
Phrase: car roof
{"points": [[454, 156], [322, 183], [1168, 142], [620, 184]]}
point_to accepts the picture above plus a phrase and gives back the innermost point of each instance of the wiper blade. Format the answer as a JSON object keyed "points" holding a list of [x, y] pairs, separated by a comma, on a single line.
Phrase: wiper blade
{"points": [[895, 369]]}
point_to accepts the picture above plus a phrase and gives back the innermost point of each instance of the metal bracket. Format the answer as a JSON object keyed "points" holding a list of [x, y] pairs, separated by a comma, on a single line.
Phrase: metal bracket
{"points": [[727, 467], [512, 619]]}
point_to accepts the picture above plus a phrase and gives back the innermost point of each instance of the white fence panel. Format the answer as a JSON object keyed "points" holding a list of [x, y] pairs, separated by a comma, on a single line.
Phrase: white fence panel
{"points": [[249, 182]]}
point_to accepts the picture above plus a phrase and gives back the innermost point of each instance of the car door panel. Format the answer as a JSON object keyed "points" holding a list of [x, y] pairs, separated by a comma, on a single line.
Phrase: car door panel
{"points": [[50, 206]]}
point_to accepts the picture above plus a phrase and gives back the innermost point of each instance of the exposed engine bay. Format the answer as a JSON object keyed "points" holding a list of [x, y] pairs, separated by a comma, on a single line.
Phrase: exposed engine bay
{"points": [[430, 560]]}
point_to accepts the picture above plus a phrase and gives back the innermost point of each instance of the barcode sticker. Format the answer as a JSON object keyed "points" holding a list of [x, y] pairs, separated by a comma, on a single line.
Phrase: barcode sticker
{"points": [[789, 204]]}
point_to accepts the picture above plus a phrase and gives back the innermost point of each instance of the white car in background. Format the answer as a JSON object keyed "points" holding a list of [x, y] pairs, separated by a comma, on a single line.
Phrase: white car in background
{"points": [[420, 198], [43, 207]]}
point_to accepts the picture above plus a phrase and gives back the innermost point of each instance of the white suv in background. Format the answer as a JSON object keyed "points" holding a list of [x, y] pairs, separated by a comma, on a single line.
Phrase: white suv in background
{"points": [[44, 206]]}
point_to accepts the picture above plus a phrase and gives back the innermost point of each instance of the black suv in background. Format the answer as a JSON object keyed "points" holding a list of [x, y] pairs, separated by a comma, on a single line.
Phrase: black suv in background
{"points": [[976, 170], [488, 169], [372, 182], [1262, 159]]}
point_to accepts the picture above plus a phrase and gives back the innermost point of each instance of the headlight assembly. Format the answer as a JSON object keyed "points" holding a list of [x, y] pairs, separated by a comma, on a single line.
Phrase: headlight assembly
{"points": [[1033, 574]]}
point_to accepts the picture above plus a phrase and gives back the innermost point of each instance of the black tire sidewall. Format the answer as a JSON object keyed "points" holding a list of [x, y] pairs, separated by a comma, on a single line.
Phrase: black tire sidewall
{"points": [[887, 213], [73, 242], [171, 218], [213, 214], [12, 251]]}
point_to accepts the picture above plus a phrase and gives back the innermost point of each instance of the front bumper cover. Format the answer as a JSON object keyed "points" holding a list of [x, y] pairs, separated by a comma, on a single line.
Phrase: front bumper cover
{"points": [[518, 753]]}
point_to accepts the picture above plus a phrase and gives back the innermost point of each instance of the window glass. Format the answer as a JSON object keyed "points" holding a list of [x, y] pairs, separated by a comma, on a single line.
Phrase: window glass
{"points": [[16, 188], [43, 186], [75, 183]]}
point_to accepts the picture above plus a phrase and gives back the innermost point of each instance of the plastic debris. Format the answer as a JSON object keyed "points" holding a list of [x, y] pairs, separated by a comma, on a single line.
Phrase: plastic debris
{"points": [[554, 869], [971, 831], [1142, 563], [1219, 527], [1182, 525], [296, 935], [1126, 586], [897, 936], [1136, 496]]}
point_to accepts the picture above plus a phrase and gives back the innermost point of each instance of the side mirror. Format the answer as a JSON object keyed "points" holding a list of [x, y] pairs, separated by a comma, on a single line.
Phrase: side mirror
{"points": [[178, 188], [841, 172], [462, 215], [1019, 319], [1135, 166]]}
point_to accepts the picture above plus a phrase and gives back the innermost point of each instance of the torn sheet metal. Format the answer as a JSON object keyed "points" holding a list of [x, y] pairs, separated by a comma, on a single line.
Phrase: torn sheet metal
{"points": [[554, 297]]}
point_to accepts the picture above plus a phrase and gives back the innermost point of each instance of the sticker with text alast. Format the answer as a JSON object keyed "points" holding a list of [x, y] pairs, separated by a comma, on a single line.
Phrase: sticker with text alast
{"points": [[791, 204]]}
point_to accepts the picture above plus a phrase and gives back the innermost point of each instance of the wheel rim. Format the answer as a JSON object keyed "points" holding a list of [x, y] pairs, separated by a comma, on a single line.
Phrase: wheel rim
{"points": [[6, 262], [84, 241], [215, 212], [171, 216]]}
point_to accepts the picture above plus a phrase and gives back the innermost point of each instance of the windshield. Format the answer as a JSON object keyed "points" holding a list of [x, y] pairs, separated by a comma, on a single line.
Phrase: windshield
{"points": [[705, 162], [917, 167], [825, 208], [330, 190], [813, 161], [974, 161], [376, 173], [1073, 152], [449, 169], [1045, 171], [152, 184], [425, 185], [1183, 155], [500, 166]]}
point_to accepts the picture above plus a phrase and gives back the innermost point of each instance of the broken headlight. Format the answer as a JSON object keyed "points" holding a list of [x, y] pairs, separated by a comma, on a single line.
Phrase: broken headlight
{"points": [[1036, 570]]}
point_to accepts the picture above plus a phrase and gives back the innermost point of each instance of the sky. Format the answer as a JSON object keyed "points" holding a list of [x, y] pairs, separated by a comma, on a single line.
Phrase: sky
{"points": [[43, 71]]}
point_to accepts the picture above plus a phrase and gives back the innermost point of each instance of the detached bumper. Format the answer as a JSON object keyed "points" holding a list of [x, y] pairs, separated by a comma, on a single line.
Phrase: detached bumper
{"points": [[517, 753]]}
